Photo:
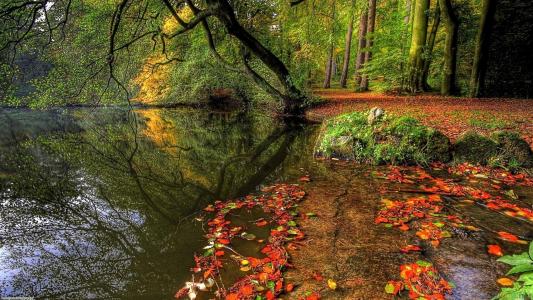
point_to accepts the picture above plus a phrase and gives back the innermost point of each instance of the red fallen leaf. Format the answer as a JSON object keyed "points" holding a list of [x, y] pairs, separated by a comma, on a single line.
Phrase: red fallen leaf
{"points": [[247, 290], [219, 253], [404, 227], [380, 219], [261, 222], [279, 286], [305, 178], [317, 276], [270, 296], [224, 241], [410, 248], [289, 288], [508, 236], [495, 250], [232, 296]]}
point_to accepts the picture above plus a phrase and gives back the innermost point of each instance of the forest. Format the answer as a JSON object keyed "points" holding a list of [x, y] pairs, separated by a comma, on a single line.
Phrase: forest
{"points": [[266, 149], [57, 53]]}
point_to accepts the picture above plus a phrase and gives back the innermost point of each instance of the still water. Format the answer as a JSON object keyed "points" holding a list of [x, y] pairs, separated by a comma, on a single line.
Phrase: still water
{"points": [[102, 203]]}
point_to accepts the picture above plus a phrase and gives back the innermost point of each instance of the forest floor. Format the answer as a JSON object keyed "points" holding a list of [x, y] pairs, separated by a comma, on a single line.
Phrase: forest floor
{"points": [[451, 115]]}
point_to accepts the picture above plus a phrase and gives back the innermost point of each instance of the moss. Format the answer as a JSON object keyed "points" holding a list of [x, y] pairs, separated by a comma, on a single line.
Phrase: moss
{"points": [[513, 151], [474, 148], [395, 140]]}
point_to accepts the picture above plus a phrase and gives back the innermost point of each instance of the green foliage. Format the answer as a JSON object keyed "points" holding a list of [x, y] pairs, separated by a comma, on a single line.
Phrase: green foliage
{"points": [[522, 266], [395, 140]]}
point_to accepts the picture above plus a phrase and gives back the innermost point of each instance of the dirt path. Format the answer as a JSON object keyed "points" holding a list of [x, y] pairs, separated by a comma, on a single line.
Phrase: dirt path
{"points": [[452, 116]]}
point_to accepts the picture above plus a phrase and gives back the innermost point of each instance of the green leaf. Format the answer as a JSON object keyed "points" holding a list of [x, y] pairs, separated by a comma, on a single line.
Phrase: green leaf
{"points": [[521, 269], [389, 288], [531, 250], [423, 263], [517, 259], [526, 277]]}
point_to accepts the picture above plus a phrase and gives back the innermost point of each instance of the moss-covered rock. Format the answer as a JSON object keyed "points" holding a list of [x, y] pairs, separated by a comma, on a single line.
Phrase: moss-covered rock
{"points": [[513, 151], [388, 139], [502, 149], [474, 148]]}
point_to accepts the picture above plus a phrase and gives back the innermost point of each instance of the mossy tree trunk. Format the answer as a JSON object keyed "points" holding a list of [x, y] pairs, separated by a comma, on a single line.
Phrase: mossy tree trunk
{"points": [[418, 40], [480, 56], [448, 86]]}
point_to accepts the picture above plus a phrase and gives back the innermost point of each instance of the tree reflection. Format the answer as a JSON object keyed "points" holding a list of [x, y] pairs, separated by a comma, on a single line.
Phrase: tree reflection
{"points": [[106, 212]]}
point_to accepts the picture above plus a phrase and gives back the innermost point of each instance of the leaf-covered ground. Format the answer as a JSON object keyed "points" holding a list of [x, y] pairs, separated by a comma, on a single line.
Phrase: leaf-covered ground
{"points": [[450, 115]]}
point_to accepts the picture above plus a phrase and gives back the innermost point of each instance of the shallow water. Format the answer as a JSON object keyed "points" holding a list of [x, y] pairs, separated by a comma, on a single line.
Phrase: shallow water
{"points": [[96, 207], [100, 204]]}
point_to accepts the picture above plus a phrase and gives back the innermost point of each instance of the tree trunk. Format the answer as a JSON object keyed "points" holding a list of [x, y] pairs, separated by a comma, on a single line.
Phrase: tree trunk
{"points": [[329, 69], [430, 45], [418, 40], [448, 86], [477, 77], [369, 38], [292, 97], [348, 47], [329, 64], [360, 47]]}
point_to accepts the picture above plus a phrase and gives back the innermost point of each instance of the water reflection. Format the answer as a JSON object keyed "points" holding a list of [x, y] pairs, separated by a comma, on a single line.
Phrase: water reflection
{"points": [[93, 206]]}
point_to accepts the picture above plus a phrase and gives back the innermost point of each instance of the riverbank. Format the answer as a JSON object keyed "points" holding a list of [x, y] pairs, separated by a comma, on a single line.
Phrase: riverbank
{"points": [[450, 115]]}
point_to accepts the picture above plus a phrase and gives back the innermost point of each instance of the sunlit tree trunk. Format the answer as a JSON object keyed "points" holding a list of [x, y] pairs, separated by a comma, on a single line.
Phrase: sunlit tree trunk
{"points": [[477, 77], [418, 40], [369, 42], [348, 47], [329, 64], [448, 86], [360, 49], [430, 45]]}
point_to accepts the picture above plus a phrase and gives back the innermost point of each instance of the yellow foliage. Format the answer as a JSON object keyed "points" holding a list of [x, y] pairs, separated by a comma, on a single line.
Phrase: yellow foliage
{"points": [[152, 79]]}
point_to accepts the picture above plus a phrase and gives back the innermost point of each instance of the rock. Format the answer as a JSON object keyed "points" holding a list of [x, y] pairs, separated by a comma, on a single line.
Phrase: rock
{"points": [[342, 147], [375, 115], [513, 151], [474, 148]]}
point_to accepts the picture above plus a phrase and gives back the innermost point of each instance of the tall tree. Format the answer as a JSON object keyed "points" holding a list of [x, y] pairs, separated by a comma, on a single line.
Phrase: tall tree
{"points": [[418, 40], [369, 37], [448, 86], [480, 56], [430, 44], [329, 63], [30, 18], [348, 46], [360, 49]]}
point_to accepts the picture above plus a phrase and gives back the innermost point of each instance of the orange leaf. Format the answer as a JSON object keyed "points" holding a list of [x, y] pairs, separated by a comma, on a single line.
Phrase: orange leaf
{"points": [[495, 250], [505, 281], [289, 287]]}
